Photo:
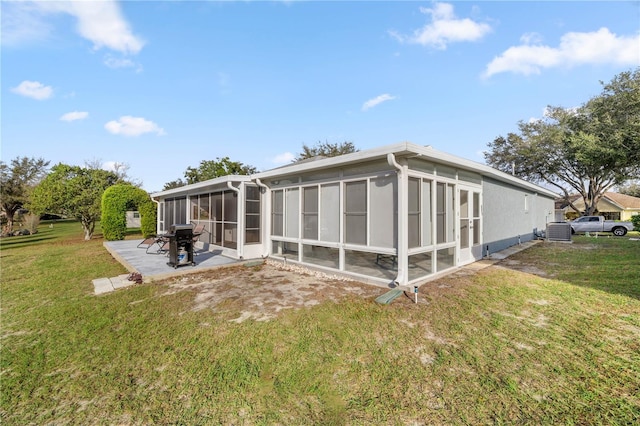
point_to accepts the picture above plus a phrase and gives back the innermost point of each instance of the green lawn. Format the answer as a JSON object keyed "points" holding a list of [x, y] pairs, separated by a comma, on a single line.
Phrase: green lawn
{"points": [[503, 346]]}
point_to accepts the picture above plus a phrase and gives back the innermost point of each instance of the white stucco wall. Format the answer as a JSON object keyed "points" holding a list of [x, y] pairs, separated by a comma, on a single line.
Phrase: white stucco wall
{"points": [[509, 212]]}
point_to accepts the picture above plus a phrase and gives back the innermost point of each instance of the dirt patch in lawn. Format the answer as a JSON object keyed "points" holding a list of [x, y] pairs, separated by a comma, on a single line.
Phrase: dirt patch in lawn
{"points": [[261, 292]]}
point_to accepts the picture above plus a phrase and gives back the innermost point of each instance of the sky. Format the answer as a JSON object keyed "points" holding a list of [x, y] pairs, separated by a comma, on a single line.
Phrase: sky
{"points": [[159, 86]]}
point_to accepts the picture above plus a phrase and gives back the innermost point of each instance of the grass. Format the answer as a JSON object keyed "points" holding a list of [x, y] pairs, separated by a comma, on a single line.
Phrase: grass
{"points": [[503, 346]]}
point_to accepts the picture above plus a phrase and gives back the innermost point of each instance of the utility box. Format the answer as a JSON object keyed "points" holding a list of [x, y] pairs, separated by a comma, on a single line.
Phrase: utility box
{"points": [[180, 245], [558, 231]]}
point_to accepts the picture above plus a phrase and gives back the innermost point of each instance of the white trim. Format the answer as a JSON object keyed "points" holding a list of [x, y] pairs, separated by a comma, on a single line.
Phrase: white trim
{"points": [[406, 149]]}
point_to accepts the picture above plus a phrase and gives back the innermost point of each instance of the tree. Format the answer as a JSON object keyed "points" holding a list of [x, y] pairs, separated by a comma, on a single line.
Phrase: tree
{"points": [[16, 183], [587, 150], [73, 191], [120, 169], [173, 184], [211, 169], [325, 149], [632, 189]]}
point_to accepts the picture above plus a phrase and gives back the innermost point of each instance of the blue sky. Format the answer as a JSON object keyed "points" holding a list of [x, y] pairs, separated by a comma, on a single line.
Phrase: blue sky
{"points": [[161, 86]]}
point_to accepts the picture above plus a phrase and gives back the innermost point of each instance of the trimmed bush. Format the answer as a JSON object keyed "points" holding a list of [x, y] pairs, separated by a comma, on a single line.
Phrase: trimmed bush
{"points": [[116, 200], [635, 219]]}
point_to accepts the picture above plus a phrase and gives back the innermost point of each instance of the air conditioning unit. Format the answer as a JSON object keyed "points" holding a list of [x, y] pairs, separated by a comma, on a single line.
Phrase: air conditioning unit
{"points": [[558, 231]]}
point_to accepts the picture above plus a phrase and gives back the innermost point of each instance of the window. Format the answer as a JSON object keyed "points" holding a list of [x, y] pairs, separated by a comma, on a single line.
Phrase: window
{"points": [[277, 213], [476, 218], [441, 213], [252, 214], [292, 212], [427, 221], [383, 203], [355, 212], [310, 213], [414, 213], [204, 207], [216, 210], [445, 229], [330, 212], [526, 203]]}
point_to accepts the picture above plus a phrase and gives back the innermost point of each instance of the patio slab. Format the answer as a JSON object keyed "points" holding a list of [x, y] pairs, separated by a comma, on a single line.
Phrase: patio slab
{"points": [[152, 266]]}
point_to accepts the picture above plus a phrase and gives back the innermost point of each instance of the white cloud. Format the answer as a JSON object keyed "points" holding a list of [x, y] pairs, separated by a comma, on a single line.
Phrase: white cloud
{"points": [[530, 38], [115, 63], [133, 126], [377, 101], [284, 158], [598, 47], [33, 89], [22, 23], [100, 22], [75, 115], [444, 28]]}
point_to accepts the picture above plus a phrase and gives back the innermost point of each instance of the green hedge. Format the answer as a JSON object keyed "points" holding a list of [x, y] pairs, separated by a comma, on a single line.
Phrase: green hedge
{"points": [[635, 219], [116, 200]]}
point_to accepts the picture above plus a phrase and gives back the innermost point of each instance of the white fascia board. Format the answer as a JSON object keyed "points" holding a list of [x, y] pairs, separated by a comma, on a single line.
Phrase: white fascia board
{"points": [[196, 187], [341, 160], [483, 169], [404, 149]]}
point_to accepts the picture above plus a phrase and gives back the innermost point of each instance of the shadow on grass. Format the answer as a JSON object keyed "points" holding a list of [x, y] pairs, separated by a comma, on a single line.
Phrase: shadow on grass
{"points": [[609, 264], [22, 241]]}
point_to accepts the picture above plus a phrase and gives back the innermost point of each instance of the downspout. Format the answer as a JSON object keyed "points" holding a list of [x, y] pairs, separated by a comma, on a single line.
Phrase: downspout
{"points": [[267, 217], [403, 225], [239, 210]]}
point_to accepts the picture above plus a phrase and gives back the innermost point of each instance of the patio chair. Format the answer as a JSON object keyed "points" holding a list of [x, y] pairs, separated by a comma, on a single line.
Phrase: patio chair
{"points": [[147, 242], [198, 230], [160, 245]]}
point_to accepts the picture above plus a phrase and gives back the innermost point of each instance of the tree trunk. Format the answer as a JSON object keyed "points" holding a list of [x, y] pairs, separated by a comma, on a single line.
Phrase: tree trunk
{"points": [[10, 212], [88, 226]]}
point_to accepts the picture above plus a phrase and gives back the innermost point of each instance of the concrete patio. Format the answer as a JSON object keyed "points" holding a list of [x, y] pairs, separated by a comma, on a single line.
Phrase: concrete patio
{"points": [[153, 265]]}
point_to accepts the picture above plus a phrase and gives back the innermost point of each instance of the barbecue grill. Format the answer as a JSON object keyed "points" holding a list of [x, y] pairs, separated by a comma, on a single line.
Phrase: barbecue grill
{"points": [[180, 245]]}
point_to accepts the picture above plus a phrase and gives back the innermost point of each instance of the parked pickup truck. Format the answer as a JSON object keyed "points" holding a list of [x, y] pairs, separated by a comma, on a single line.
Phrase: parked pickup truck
{"points": [[598, 224]]}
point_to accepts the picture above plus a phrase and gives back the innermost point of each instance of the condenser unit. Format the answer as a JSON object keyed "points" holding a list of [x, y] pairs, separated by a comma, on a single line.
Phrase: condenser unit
{"points": [[559, 231]]}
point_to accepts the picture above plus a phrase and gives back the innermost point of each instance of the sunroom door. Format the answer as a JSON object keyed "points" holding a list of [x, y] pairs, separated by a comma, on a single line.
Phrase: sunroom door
{"points": [[470, 225]]}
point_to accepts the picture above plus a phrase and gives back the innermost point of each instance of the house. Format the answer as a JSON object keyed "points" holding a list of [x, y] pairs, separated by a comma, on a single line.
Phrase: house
{"points": [[612, 206], [133, 219], [400, 214]]}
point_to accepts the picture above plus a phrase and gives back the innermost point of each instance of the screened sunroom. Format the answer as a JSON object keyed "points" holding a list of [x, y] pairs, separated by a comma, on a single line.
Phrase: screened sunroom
{"points": [[400, 214], [230, 208], [391, 217]]}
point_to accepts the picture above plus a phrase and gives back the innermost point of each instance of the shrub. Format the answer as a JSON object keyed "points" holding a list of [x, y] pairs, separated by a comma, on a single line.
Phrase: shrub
{"points": [[635, 219], [115, 202], [31, 222]]}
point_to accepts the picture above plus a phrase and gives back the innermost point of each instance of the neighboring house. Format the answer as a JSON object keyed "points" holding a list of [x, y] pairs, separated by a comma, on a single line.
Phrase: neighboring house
{"points": [[612, 206], [133, 219], [399, 214]]}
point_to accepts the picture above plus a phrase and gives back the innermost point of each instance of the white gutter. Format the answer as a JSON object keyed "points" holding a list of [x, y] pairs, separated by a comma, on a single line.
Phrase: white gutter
{"points": [[240, 212], [403, 224], [267, 217]]}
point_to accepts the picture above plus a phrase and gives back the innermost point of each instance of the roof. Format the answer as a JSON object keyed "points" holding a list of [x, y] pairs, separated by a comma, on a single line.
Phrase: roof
{"points": [[194, 187], [624, 202], [403, 149], [406, 149]]}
